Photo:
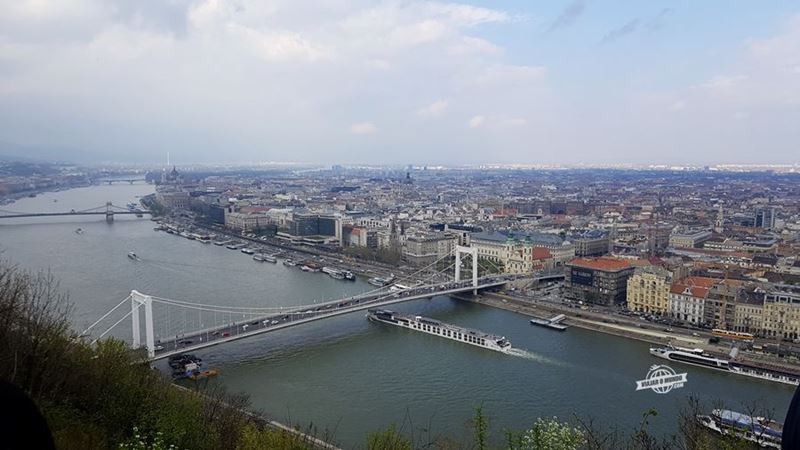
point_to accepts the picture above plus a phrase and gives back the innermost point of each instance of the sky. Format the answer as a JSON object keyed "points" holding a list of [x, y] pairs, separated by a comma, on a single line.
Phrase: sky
{"points": [[401, 82]]}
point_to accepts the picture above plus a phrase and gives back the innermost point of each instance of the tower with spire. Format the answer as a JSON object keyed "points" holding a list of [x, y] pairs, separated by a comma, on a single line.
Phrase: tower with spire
{"points": [[719, 225]]}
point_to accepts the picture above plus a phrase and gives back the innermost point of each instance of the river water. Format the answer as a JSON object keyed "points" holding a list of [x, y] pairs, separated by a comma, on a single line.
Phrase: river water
{"points": [[345, 374]]}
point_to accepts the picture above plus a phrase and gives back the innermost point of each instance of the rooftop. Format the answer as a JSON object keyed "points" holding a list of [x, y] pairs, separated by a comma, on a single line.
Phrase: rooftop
{"points": [[602, 263]]}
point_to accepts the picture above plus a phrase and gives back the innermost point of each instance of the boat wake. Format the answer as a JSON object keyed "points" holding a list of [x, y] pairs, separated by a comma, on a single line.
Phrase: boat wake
{"points": [[521, 353]]}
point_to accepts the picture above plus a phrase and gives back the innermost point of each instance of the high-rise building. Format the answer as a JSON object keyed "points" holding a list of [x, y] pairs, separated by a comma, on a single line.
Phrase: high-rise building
{"points": [[764, 217]]}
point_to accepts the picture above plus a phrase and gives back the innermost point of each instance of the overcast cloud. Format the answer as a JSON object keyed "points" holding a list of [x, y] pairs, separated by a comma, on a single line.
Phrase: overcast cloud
{"points": [[337, 81]]}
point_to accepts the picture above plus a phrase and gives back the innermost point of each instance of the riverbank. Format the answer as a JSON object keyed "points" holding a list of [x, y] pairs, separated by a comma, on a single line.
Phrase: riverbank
{"points": [[601, 323]]}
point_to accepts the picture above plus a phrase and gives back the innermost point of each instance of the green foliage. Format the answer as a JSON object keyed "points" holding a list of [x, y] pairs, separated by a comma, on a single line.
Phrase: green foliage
{"points": [[106, 395], [388, 439], [550, 434], [387, 256], [139, 441], [480, 425]]}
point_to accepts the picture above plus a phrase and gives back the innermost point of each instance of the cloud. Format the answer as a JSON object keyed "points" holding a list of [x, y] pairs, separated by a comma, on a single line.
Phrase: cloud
{"points": [[435, 109], [659, 20], [477, 121], [570, 13], [630, 27], [363, 128]]}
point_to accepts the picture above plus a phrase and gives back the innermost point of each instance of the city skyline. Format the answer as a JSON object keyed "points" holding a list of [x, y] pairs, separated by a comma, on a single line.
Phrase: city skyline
{"points": [[562, 83]]}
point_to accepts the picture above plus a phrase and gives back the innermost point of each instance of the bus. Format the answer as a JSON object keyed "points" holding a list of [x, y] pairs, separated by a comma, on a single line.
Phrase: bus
{"points": [[735, 335]]}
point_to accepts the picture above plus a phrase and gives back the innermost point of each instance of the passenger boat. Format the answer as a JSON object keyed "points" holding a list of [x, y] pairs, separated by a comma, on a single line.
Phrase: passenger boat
{"points": [[763, 432], [248, 251], [269, 258], [289, 263], [258, 257], [441, 329], [349, 276], [378, 281], [334, 273], [697, 357]]}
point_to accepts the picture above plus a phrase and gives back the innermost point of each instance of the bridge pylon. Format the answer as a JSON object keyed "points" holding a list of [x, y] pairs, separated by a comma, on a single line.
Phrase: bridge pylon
{"points": [[137, 300], [472, 251], [109, 212]]}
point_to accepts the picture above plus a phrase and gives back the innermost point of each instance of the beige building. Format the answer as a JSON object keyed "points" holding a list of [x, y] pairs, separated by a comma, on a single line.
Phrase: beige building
{"points": [[648, 290], [245, 222], [174, 199], [521, 253], [749, 318], [425, 249], [781, 317]]}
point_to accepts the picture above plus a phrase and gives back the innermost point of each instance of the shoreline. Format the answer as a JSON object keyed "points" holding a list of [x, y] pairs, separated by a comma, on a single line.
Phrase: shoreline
{"points": [[622, 330]]}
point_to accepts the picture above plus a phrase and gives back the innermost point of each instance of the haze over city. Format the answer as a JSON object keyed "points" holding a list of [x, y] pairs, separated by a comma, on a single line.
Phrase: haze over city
{"points": [[591, 82]]}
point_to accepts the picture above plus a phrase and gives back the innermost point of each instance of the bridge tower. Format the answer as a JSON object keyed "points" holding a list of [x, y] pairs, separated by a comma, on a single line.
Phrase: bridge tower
{"points": [[109, 212], [137, 300], [472, 251]]}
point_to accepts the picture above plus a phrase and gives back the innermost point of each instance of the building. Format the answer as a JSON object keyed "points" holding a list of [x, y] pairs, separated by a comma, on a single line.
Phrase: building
{"points": [[312, 224], [245, 222], [687, 298], [657, 236], [749, 315], [515, 252], [689, 238], [648, 290], [602, 280], [781, 317], [174, 199], [592, 243], [422, 250], [720, 305], [764, 217]]}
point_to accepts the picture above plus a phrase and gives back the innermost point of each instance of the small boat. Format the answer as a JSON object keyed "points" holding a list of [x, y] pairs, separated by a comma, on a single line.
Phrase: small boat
{"points": [[553, 322], [200, 374], [270, 258], [289, 263], [79, 231], [248, 251], [258, 257], [134, 256], [333, 272], [349, 276]]}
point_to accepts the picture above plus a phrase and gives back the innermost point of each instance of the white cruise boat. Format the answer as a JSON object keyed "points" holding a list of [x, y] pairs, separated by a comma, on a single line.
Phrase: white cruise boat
{"points": [[441, 329], [697, 357], [761, 431]]}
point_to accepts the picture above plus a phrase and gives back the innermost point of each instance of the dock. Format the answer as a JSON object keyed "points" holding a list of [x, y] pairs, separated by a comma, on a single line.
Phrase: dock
{"points": [[553, 322]]}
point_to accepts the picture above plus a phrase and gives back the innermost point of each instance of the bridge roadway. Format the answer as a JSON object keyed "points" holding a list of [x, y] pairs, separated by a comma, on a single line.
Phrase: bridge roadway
{"points": [[278, 321], [76, 213]]}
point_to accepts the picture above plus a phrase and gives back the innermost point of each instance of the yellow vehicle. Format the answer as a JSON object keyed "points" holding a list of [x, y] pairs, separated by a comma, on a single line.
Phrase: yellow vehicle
{"points": [[737, 335]]}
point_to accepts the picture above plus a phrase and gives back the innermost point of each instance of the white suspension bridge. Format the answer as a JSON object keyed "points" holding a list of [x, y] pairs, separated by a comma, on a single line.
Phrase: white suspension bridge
{"points": [[170, 327]]}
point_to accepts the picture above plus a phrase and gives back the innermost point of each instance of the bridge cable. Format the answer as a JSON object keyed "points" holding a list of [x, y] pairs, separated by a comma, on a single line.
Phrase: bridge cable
{"points": [[106, 315]]}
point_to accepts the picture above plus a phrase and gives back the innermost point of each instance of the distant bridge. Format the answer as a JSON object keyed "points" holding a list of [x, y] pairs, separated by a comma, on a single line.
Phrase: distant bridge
{"points": [[109, 210], [117, 180]]}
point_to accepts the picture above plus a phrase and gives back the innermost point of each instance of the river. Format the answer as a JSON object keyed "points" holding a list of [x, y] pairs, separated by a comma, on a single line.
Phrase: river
{"points": [[345, 374]]}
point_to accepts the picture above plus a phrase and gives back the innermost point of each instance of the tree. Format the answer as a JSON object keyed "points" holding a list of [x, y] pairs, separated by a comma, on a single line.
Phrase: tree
{"points": [[550, 434]]}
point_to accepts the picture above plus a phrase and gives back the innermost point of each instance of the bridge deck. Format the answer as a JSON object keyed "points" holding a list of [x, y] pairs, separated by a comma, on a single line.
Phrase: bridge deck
{"points": [[274, 322], [77, 213]]}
